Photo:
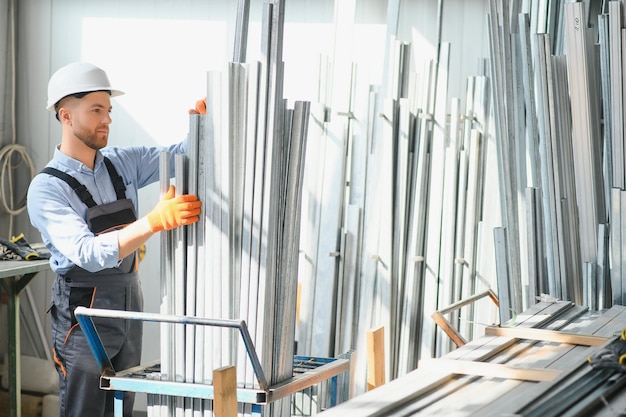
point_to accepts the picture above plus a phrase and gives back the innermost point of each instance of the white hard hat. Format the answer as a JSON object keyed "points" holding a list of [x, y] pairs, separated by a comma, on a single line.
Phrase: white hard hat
{"points": [[78, 77]]}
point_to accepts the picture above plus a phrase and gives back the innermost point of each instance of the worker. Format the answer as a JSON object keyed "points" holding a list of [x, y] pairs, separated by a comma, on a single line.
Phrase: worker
{"points": [[85, 204]]}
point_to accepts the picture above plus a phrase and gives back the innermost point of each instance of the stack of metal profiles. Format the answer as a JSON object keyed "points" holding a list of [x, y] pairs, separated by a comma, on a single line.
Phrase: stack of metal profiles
{"points": [[539, 367], [612, 42], [245, 162], [437, 199], [552, 132], [392, 210]]}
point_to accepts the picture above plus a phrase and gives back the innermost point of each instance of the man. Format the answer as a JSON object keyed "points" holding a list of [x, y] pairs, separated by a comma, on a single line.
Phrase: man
{"points": [[84, 204]]}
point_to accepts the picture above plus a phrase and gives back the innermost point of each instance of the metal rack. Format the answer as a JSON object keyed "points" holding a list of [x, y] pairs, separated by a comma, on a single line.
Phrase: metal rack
{"points": [[308, 371]]}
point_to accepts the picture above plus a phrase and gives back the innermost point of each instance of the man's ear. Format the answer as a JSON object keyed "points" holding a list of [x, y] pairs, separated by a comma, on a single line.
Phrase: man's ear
{"points": [[64, 115]]}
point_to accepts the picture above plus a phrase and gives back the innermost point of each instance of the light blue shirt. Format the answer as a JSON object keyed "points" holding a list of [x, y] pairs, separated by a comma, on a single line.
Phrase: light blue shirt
{"points": [[59, 214]]}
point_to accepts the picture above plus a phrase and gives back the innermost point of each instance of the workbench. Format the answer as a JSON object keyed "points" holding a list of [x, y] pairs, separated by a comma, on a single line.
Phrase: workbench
{"points": [[14, 277]]}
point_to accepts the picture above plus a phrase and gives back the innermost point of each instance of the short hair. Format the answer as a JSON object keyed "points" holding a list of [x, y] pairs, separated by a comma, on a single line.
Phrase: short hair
{"points": [[75, 95]]}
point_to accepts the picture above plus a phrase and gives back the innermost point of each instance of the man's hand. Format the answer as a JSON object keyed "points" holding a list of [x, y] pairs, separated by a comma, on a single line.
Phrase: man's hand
{"points": [[200, 107], [172, 211]]}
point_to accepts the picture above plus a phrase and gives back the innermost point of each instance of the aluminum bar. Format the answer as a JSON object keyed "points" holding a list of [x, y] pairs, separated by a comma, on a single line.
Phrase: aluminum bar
{"points": [[603, 266], [616, 97], [193, 246], [542, 74], [435, 202], [585, 131], [414, 286], [241, 31], [177, 289], [248, 279], [448, 286], [502, 266], [165, 173]]}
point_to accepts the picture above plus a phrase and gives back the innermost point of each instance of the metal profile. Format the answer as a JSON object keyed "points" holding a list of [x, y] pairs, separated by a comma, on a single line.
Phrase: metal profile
{"points": [[616, 97], [241, 31], [435, 201], [502, 73], [609, 158], [166, 306], [448, 287], [177, 289], [500, 241], [543, 69], [585, 114]]}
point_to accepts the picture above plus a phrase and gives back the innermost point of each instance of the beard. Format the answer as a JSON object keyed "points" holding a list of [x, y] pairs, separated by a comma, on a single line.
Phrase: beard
{"points": [[91, 139]]}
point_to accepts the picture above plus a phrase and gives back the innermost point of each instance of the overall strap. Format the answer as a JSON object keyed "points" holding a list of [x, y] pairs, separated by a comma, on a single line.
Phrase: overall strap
{"points": [[82, 192], [116, 179]]}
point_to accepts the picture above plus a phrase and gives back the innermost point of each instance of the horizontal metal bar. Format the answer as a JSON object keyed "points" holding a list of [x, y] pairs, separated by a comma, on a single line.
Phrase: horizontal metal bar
{"points": [[469, 300], [178, 389]]}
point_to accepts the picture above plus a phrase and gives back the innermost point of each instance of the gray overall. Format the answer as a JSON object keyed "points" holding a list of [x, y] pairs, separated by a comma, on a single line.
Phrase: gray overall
{"points": [[115, 289]]}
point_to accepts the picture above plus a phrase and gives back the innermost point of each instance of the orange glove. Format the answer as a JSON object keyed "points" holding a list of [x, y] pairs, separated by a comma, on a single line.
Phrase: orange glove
{"points": [[172, 211], [200, 107]]}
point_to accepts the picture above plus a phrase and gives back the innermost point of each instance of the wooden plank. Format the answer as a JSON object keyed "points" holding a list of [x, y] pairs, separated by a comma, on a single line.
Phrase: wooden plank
{"points": [[546, 335], [225, 389], [375, 357], [448, 329], [487, 369]]}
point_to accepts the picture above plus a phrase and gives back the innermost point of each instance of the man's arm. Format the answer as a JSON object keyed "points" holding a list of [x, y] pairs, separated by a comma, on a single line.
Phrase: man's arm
{"points": [[169, 213]]}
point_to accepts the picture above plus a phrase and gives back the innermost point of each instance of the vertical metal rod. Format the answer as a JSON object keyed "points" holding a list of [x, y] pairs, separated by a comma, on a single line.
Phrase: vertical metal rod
{"points": [[432, 267], [241, 31], [448, 287], [616, 81], [603, 265], [177, 288], [502, 267], [591, 287], [193, 245], [166, 244], [247, 226]]}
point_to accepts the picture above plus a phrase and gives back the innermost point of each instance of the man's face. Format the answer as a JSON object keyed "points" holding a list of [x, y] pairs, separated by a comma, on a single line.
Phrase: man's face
{"points": [[90, 119]]}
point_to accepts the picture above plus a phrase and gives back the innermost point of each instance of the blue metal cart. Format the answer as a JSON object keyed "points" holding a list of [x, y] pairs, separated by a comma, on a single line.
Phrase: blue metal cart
{"points": [[308, 371]]}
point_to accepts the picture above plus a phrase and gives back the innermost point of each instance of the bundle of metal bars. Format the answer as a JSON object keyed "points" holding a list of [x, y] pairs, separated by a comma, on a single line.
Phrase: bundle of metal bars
{"points": [[612, 35], [420, 212], [245, 162], [539, 367], [392, 213], [417, 230], [551, 132]]}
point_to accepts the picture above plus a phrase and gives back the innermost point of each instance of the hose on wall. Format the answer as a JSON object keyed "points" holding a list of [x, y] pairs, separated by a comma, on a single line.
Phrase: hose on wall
{"points": [[13, 156]]}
